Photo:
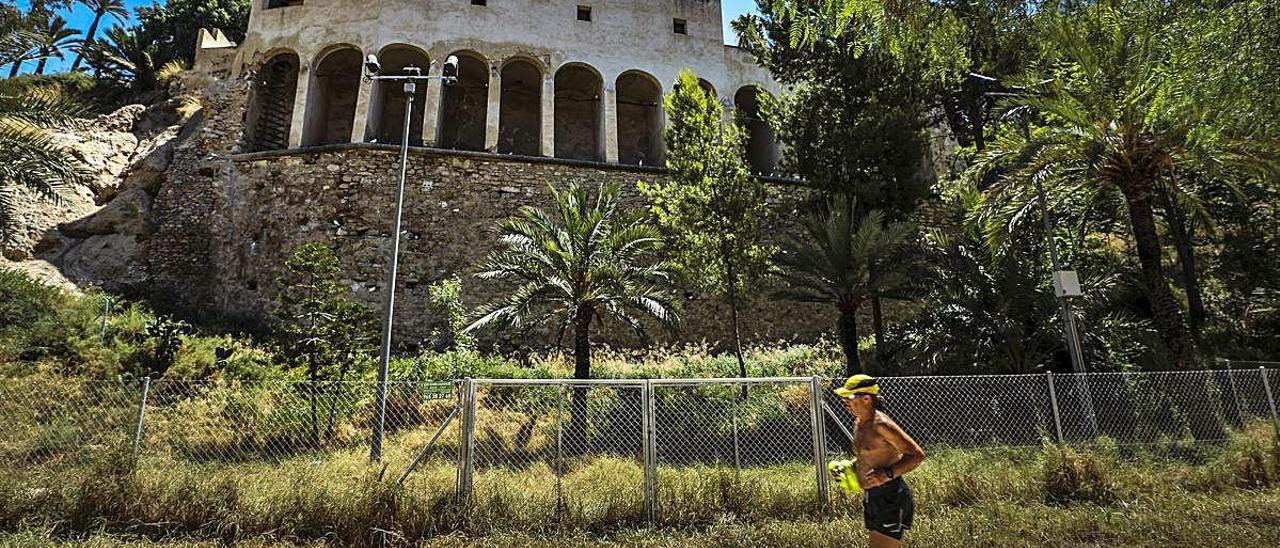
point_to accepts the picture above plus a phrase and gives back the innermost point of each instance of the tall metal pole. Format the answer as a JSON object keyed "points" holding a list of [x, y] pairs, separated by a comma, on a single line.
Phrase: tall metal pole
{"points": [[1069, 332], [389, 304]]}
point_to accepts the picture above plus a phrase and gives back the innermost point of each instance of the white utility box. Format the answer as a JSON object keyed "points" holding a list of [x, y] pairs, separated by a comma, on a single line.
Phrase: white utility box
{"points": [[1066, 283]]}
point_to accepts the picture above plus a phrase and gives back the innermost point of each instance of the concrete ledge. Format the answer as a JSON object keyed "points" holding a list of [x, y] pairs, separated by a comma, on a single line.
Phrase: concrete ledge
{"points": [[477, 155]]}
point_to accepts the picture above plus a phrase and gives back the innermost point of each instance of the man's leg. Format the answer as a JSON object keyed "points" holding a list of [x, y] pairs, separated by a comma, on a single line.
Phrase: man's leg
{"points": [[880, 540]]}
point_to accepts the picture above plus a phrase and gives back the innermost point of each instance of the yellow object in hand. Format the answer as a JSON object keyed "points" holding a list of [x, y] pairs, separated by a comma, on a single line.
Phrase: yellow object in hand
{"points": [[846, 475]]}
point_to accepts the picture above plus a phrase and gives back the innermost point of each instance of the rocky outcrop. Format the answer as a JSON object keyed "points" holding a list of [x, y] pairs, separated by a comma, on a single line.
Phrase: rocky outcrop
{"points": [[95, 234], [129, 213], [41, 271], [36, 216]]}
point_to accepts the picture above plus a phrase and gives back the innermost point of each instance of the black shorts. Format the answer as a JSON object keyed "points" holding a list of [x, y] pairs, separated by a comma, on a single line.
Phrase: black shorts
{"points": [[888, 509]]}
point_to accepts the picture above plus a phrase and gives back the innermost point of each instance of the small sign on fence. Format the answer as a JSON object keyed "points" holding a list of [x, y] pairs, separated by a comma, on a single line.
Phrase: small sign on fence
{"points": [[435, 391]]}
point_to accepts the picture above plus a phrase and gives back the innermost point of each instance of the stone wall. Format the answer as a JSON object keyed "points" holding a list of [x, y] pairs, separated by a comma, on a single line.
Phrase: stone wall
{"points": [[344, 197], [225, 221]]}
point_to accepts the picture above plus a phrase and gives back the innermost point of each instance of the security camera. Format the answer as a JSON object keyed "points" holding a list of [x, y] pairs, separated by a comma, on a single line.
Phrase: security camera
{"points": [[372, 65], [451, 70]]}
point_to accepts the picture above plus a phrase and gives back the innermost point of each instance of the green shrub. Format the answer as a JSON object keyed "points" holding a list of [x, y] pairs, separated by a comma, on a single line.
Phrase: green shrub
{"points": [[27, 308]]}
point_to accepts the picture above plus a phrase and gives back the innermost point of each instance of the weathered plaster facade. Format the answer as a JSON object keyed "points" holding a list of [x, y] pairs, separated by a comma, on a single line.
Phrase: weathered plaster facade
{"points": [[575, 94]]}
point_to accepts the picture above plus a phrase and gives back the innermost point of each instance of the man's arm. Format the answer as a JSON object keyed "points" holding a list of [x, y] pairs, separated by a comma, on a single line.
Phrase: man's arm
{"points": [[912, 453]]}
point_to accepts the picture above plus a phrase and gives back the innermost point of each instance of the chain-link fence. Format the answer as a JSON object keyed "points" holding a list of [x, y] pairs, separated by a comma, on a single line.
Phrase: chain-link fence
{"points": [[614, 450]]}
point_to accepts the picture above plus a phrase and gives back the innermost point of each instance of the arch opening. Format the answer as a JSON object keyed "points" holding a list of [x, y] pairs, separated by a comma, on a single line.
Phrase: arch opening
{"points": [[577, 114], [709, 89], [387, 99], [331, 100], [762, 149], [520, 109], [639, 117], [464, 106], [270, 114]]}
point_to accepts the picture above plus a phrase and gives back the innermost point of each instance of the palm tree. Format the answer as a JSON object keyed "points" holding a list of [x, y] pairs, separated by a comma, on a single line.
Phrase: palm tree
{"points": [[29, 158], [126, 55], [987, 310], [116, 9], [843, 260], [55, 39], [15, 43], [588, 262], [1111, 117]]}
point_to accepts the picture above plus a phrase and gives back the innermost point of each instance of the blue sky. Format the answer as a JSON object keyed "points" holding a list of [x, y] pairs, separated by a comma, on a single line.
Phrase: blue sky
{"points": [[731, 10], [80, 18]]}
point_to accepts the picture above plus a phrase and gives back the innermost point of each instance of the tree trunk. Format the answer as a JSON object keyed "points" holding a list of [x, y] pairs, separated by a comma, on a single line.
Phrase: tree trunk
{"points": [[1166, 314], [88, 40], [975, 114], [849, 339], [17, 65], [40, 65], [1179, 230], [732, 280], [577, 435], [877, 325]]}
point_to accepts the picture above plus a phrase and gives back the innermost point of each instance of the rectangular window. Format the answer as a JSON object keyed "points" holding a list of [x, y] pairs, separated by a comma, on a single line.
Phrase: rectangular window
{"points": [[680, 26], [479, 2], [273, 4], [584, 13]]}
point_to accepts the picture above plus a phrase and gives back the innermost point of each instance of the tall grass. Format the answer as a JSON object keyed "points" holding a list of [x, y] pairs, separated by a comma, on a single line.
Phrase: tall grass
{"points": [[1050, 495]]}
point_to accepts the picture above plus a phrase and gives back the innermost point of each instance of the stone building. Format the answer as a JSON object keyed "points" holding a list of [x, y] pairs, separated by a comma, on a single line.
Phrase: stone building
{"points": [[579, 80], [293, 145]]}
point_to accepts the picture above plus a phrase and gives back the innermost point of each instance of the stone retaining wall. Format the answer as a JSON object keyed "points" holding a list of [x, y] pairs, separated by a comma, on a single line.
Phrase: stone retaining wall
{"points": [[453, 203], [225, 223]]}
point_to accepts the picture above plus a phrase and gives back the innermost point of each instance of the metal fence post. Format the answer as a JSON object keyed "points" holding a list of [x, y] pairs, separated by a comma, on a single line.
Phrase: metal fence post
{"points": [[1235, 395], [1053, 399], [737, 443], [816, 425], [559, 447], [142, 412], [649, 424], [1271, 400], [466, 448]]}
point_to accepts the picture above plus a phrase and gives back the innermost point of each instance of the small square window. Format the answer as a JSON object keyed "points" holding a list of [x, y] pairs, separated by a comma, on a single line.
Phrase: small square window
{"points": [[584, 13], [680, 26], [479, 2]]}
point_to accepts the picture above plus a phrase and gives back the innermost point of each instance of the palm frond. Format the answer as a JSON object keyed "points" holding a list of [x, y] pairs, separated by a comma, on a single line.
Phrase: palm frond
{"points": [[581, 254]]}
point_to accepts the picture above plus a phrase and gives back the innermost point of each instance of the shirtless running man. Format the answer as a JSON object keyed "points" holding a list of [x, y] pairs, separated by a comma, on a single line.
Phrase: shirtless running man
{"points": [[884, 454]]}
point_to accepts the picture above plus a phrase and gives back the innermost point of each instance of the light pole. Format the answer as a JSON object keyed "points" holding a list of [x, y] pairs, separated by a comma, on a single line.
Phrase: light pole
{"points": [[412, 75], [1066, 284]]}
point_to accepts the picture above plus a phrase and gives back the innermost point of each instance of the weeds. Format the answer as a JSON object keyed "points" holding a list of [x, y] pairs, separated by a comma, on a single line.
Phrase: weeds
{"points": [[1049, 497], [1072, 476]]}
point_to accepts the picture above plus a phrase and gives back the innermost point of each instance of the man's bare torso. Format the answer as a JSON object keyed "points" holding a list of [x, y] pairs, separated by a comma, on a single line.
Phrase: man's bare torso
{"points": [[870, 445]]}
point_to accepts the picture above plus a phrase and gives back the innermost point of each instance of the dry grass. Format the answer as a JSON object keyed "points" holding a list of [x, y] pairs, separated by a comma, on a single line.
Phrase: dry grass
{"points": [[1104, 495]]}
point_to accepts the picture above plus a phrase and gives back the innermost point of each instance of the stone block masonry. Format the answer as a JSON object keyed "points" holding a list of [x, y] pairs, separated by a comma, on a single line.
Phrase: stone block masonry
{"points": [[343, 196], [225, 222]]}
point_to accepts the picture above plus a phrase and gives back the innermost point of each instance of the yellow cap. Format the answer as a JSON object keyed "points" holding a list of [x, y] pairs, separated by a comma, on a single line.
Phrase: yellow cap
{"points": [[858, 384]]}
